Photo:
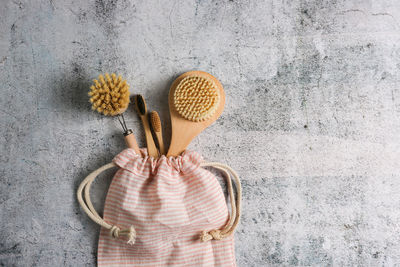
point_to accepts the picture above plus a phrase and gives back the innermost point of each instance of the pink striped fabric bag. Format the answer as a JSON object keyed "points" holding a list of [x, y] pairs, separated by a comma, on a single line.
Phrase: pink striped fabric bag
{"points": [[165, 212]]}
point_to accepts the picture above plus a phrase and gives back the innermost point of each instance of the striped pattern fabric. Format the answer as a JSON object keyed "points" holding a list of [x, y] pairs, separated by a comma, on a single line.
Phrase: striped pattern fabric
{"points": [[169, 201]]}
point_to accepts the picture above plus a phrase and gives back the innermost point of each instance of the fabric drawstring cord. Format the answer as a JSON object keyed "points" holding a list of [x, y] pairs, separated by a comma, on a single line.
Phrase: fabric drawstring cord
{"points": [[87, 206], [215, 234], [230, 226]]}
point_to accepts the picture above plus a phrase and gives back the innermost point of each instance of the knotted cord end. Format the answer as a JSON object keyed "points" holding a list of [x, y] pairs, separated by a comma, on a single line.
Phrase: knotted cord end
{"points": [[116, 232], [213, 234]]}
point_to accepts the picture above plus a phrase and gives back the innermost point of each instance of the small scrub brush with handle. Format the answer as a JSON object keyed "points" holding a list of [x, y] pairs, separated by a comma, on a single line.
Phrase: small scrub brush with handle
{"points": [[110, 96]]}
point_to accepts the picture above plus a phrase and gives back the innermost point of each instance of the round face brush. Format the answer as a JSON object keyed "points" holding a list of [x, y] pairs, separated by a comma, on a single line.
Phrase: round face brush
{"points": [[196, 100], [110, 96]]}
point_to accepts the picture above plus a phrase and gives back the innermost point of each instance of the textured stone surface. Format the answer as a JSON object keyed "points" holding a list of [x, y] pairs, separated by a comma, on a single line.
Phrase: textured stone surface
{"points": [[311, 124]]}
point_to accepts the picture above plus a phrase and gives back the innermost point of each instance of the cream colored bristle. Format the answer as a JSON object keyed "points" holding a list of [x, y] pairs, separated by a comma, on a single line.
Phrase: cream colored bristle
{"points": [[196, 98], [109, 95], [155, 121]]}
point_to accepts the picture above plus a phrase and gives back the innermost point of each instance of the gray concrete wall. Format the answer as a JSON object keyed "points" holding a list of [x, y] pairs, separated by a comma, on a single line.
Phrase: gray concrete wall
{"points": [[311, 121]]}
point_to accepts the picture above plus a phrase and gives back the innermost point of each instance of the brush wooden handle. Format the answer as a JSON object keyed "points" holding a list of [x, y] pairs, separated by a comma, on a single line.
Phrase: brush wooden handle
{"points": [[131, 142], [151, 146], [160, 142]]}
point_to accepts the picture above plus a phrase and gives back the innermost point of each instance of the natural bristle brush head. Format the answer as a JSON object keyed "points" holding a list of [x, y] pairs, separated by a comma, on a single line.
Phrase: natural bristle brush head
{"points": [[155, 121], [109, 95], [156, 125], [140, 105], [196, 98]]}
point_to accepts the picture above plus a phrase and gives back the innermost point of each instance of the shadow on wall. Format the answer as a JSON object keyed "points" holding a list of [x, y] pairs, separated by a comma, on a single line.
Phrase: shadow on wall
{"points": [[69, 92]]}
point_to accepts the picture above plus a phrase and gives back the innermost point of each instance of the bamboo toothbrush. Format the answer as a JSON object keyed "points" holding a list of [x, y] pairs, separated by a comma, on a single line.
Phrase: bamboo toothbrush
{"points": [[196, 99], [110, 96], [156, 125], [142, 110]]}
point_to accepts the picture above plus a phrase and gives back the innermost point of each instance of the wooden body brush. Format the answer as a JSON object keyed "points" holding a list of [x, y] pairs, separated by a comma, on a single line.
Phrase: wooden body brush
{"points": [[110, 96], [142, 110], [196, 99]]}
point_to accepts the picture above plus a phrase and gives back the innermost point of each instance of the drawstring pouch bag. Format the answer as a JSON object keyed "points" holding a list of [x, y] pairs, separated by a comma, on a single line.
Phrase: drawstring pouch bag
{"points": [[165, 212]]}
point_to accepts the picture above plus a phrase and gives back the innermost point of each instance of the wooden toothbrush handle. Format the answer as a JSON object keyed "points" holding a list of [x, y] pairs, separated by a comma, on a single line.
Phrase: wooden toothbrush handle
{"points": [[151, 146], [160, 143]]}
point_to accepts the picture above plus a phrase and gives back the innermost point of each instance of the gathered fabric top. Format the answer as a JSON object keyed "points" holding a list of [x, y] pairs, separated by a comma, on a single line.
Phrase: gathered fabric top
{"points": [[129, 160]]}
